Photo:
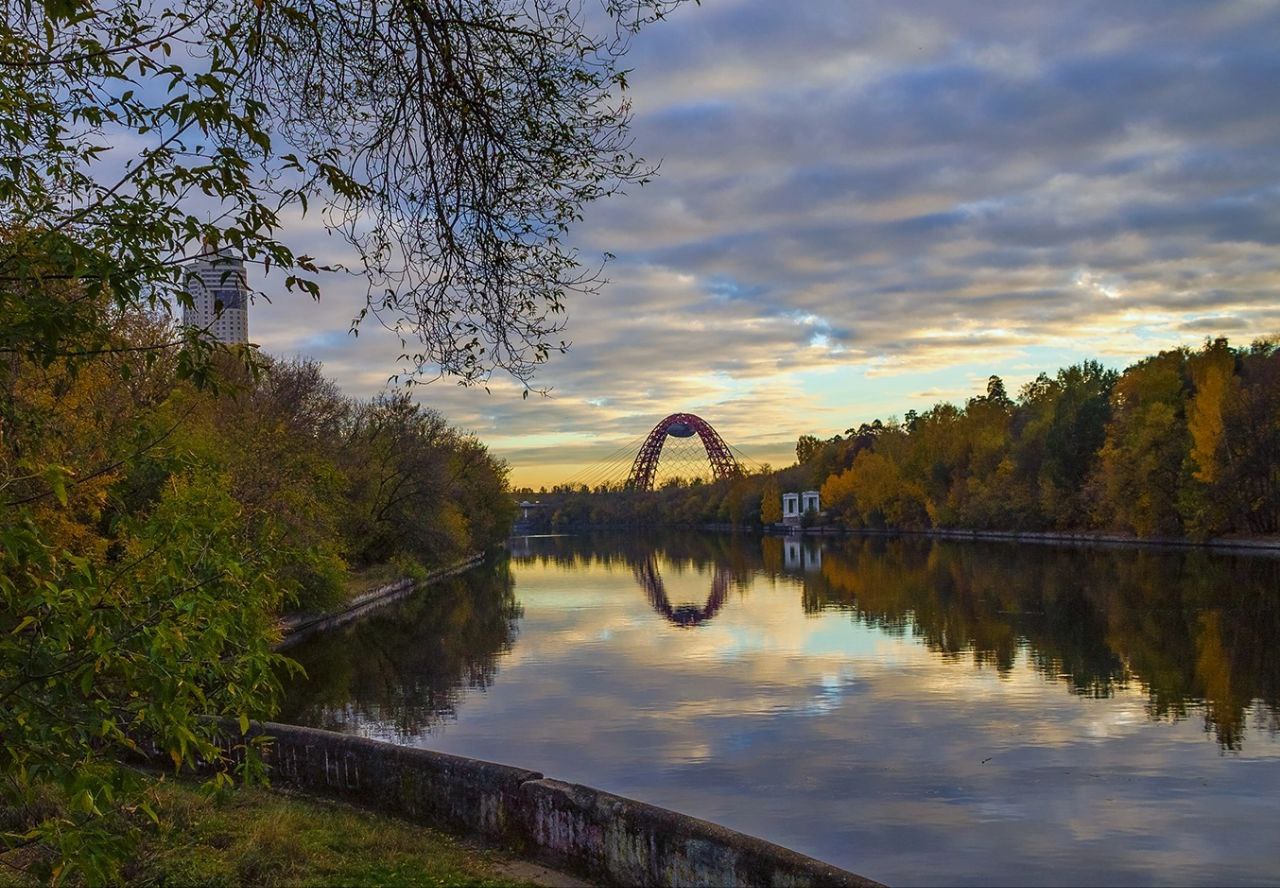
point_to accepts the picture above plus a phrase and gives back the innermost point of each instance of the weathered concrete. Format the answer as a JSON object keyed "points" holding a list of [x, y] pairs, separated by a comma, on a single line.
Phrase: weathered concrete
{"points": [[630, 843], [606, 837], [1267, 546], [446, 789], [295, 627]]}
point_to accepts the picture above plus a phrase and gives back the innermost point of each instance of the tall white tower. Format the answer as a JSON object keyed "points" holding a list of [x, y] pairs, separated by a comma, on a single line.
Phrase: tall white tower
{"points": [[219, 291]]}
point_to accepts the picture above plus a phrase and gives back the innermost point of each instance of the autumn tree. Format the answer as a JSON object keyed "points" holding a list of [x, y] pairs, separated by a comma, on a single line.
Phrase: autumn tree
{"points": [[450, 144], [1144, 457], [1235, 439], [770, 502]]}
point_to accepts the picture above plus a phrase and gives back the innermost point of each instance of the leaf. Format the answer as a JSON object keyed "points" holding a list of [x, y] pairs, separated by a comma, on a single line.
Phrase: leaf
{"points": [[56, 477], [146, 808], [83, 802]]}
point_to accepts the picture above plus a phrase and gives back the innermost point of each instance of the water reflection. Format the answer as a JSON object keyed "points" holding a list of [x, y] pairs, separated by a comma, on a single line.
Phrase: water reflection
{"points": [[403, 670], [919, 711], [1189, 627], [685, 615]]}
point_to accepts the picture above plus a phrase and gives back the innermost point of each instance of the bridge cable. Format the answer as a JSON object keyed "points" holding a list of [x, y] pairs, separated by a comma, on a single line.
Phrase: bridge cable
{"points": [[608, 467]]}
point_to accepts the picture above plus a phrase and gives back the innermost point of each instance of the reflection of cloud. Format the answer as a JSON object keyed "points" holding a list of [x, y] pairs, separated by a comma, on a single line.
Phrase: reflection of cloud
{"points": [[861, 743], [850, 739], [892, 190]]}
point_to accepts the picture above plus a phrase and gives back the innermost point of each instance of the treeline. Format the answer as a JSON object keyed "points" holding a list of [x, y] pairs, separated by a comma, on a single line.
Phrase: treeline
{"points": [[1182, 444], [1185, 443], [162, 500], [315, 483]]}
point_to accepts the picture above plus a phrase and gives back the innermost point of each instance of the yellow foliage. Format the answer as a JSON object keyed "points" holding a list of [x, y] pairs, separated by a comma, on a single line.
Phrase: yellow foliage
{"points": [[1213, 372], [771, 502]]}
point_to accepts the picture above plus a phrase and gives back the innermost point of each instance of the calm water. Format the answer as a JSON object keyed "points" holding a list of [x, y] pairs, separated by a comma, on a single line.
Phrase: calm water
{"points": [[916, 711]]}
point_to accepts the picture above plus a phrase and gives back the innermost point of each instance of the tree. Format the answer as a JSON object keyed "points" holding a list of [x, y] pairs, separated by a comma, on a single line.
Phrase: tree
{"points": [[770, 502], [1147, 446], [1213, 374], [136, 600], [1073, 435], [808, 447], [1235, 439], [1250, 481], [838, 494], [451, 143], [996, 393]]}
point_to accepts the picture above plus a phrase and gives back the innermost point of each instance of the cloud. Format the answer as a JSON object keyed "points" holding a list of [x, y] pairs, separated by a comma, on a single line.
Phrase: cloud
{"points": [[882, 193]]}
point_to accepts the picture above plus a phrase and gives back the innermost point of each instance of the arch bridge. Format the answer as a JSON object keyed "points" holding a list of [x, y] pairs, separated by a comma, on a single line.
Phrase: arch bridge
{"points": [[681, 425]]}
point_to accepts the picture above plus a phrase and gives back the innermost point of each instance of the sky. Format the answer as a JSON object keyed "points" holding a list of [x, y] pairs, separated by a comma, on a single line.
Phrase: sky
{"points": [[865, 208]]}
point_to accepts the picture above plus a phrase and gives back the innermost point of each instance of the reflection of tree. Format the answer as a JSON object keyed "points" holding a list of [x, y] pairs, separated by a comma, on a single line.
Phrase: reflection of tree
{"points": [[406, 667], [730, 558], [679, 550], [684, 615], [1197, 632], [1188, 627]]}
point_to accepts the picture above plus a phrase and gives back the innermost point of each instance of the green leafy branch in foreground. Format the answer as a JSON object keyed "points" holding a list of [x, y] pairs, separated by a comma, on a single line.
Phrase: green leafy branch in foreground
{"points": [[99, 659]]}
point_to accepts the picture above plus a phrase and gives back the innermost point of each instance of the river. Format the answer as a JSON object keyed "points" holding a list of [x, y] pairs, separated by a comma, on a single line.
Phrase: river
{"points": [[917, 711]]}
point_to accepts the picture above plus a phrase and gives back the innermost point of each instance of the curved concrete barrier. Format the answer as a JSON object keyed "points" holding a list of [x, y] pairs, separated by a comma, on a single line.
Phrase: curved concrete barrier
{"points": [[610, 838], [297, 627]]}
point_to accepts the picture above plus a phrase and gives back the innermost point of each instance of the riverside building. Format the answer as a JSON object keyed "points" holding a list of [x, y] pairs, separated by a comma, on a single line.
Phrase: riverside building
{"points": [[219, 289]]}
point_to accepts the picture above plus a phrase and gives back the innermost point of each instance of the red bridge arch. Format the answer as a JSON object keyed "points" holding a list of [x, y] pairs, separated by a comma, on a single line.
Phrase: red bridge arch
{"points": [[681, 425]]}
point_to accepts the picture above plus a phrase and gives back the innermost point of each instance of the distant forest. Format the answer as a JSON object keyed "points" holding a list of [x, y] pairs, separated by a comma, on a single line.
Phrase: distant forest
{"points": [[1185, 443]]}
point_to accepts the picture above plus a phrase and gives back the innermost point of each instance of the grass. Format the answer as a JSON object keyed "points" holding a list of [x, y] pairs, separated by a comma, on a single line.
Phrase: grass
{"points": [[254, 836], [258, 837]]}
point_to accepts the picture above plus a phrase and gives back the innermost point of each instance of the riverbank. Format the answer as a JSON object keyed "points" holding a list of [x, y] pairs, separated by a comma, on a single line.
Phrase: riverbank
{"points": [[295, 627], [604, 837], [1258, 545], [1237, 545]]}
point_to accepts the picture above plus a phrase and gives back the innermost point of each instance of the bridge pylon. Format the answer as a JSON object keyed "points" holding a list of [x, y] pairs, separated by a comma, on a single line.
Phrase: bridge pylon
{"points": [[681, 425]]}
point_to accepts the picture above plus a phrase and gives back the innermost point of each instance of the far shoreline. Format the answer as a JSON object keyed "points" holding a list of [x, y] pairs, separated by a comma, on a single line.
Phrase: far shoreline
{"points": [[1265, 546], [1253, 546]]}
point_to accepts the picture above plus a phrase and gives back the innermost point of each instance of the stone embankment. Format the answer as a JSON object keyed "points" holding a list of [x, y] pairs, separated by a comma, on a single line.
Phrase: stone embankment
{"points": [[605, 837], [295, 627], [1240, 545]]}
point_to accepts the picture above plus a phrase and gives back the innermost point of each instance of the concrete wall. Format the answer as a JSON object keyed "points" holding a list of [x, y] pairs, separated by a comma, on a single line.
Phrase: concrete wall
{"points": [[295, 627], [607, 837], [1234, 545]]}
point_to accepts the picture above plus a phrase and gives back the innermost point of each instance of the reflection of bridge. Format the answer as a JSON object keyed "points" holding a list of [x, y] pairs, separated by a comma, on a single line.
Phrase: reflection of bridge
{"points": [[684, 615]]}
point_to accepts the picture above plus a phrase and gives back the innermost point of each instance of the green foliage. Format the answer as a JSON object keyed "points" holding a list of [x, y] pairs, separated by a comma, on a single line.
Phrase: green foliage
{"points": [[418, 486], [140, 135], [807, 447], [162, 495], [1144, 460], [152, 534], [98, 657], [260, 838], [406, 565], [257, 837]]}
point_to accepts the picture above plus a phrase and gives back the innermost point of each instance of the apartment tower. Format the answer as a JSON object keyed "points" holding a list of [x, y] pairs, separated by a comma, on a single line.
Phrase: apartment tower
{"points": [[219, 291]]}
